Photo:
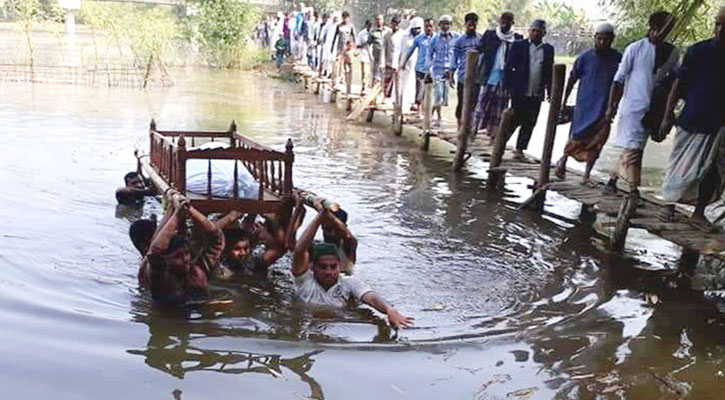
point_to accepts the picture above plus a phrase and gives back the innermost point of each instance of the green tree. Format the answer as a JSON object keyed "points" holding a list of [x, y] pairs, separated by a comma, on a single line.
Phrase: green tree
{"points": [[223, 27], [694, 18]]}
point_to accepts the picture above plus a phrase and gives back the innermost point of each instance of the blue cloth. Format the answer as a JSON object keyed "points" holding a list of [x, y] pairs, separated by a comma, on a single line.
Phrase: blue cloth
{"points": [[438, 54], [460, 47], [702, 85], [421, 42], [595, 73], [298, 21], [495, 75], [516, 75]]}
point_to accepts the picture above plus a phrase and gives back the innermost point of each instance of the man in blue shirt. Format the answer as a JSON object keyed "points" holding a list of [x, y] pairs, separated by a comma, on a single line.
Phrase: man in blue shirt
{"points": [[696, 170], [594, 70], [468, 41], [528, 78], [421, 42], [436, 61]]}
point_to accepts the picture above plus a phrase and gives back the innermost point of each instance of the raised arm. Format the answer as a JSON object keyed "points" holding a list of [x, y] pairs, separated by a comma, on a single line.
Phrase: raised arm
{"points": [[230, 218], [168, 228], [301, 256], [295, 222], [396, 319], [215, 239]]}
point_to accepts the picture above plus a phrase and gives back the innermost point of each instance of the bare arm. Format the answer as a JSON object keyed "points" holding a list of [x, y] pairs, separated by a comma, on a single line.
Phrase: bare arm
{"points": [[669, 117], [396, 319], [167, 230], [569, 87], [295, 222], [615, 94], [301, 256], [225, 221], [349, 242]]}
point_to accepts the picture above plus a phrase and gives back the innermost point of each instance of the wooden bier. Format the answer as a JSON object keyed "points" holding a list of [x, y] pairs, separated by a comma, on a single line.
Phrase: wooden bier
{"points": [[165, 166]]}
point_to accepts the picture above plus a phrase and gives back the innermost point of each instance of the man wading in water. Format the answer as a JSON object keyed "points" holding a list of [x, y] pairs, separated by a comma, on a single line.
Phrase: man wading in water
{"points": [[323, 286]]}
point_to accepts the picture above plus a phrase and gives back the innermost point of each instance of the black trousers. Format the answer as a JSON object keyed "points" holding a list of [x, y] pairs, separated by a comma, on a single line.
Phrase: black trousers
{"points": [[459, 93], [419, 87], [526, 112]]}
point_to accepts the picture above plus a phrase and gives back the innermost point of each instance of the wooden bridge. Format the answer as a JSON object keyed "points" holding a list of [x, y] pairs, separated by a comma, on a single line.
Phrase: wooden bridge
{"points": [[621, 210]]}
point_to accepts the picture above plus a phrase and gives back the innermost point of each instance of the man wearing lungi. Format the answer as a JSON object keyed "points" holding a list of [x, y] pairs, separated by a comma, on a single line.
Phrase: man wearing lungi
{"points": [[493, 99], [594, 70], [696, 170], [437, 59], [645, 64], [527, 77]]}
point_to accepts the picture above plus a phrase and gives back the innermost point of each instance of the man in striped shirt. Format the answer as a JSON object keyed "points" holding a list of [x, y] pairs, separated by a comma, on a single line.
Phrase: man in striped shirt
{"points": [[468, 41]]}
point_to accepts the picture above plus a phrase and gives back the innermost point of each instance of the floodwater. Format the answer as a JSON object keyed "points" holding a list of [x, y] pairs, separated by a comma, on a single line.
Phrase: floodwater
{"points": [[508, 305]]}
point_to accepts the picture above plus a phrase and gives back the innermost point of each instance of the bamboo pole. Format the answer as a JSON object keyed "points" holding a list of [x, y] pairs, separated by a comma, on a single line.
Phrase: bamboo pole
{"points": [[468, 92], [557, 90], [427, 114], [398, 106]]}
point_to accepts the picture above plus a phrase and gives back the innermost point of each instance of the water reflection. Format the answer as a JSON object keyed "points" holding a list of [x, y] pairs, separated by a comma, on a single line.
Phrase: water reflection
{"points": [[174, 348]]}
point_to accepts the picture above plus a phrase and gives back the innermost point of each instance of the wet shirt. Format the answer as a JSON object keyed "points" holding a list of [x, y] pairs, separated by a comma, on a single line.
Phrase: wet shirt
{"points": [[702, 84], [421, 42], [595, 72], [460, 47], [438, 54], [347, 288]]}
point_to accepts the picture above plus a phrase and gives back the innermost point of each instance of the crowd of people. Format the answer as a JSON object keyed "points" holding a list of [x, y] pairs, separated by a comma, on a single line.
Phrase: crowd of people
{"points": [[643, 85], [515, 73]]}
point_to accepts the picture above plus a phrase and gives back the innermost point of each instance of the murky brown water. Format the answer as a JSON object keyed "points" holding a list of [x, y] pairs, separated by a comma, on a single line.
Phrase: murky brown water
{"points": [[507, 305]]}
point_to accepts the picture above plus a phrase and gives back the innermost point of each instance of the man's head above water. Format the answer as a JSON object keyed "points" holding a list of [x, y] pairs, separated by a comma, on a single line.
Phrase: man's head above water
{"points": [[239, 246], [325, 264], [329, 233], [141, 233]]}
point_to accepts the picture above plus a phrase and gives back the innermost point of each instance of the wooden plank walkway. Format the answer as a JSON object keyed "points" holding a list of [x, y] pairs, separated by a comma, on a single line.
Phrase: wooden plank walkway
{"points": [[591, 196]]}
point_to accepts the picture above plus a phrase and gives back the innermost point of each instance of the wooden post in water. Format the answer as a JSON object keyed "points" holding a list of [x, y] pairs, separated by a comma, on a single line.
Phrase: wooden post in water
{"points": [[397, 106], [427, 114], [496, 173], [557, 90], [621, 228], [468, 97]]}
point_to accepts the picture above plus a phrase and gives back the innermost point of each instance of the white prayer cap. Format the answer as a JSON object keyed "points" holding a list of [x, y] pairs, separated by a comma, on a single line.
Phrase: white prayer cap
{"points": [[605, 27], [446, 18], [416, 22]]}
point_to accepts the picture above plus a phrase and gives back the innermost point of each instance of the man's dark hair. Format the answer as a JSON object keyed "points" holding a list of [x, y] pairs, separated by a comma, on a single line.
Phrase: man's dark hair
{"points": [[177, 242], [471, 17], [508, 15], [129, 176], [345, 14], [141, 233], [368, 23], [396, 19], [341, 215], [661, 19], [325, 15], [431, 20], [316, 14], [235, 235]]}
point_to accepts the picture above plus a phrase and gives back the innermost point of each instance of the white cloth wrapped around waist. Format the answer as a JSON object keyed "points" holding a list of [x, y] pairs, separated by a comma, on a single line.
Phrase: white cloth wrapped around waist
{"points": [[222, 177]]}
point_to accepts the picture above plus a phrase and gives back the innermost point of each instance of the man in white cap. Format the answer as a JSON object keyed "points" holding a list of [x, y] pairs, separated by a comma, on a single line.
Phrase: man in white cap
{"points": [[405, 63], [696, 171], [594, 69], [436, 62], [646, 66], [528, 79]]}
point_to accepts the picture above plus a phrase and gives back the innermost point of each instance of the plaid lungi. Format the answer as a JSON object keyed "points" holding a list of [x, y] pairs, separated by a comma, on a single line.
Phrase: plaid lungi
{"points": [[590, 143], [492, 101]]}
